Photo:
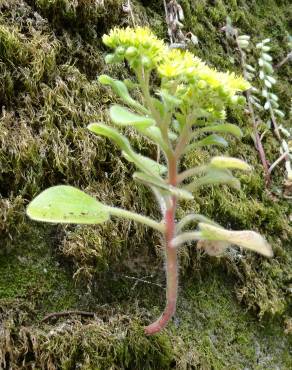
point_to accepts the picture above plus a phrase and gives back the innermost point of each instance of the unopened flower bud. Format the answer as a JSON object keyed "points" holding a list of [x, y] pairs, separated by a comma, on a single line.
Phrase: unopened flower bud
{"points": [[238, 99], [110, 58], [202, 84], [241, 100], [120, 50], [146, 62], [223, 93], [131, 51]]}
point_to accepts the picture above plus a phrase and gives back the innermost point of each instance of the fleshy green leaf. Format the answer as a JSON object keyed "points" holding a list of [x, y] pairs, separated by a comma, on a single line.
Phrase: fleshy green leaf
{"points": [[280, 113], [212, 140], [123, 117], [207, 141], [246, 239], [227, 128], [193, 217], [169, 100], [160, 184], [152, 166], [244, 37], [268, 67], [111, 133], [243, 43], [250, 68], [214, 177], [230, 163], [153, 133], [66, 204], [121, 90], [143, 163]]}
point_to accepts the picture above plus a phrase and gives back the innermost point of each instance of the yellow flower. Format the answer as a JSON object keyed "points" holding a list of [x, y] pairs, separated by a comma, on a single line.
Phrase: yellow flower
{"points": [[187, 67], [140, 38], [178, 63]]}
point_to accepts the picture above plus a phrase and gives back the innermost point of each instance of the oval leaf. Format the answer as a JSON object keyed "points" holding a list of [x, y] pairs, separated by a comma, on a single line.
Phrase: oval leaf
{"points": [[214, 177], [66, 204], [124, 117], [212, 140], [111, 133], [227, 128], [230, 162], [143, 163], [246, 239], [160, 184], [121, 90], [207, 141], [153, 133], [151, 165]]}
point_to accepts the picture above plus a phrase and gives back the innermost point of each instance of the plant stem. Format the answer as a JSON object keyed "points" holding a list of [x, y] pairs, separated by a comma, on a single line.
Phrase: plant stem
{"points": [[171, 258]]}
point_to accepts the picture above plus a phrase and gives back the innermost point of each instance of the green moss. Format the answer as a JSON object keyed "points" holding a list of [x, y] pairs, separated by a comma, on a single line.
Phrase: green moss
{"points": [[222, 335], [85, 16], [11, 220], [33, 273]]}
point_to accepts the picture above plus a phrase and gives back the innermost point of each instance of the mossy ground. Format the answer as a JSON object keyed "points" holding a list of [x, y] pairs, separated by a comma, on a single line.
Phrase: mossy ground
{"points": [[50, 54]]}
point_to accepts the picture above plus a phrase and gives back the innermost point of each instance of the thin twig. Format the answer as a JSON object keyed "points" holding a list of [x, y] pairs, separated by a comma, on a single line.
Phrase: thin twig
{"points": [[279, 160], [138, 280], [67, 313], [167, 20], [128, 9], [275, 125], [285, 60], [131, 13]]}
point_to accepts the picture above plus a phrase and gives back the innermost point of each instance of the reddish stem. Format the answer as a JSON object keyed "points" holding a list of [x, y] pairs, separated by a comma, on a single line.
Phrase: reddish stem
{"points": [[171, 260]]}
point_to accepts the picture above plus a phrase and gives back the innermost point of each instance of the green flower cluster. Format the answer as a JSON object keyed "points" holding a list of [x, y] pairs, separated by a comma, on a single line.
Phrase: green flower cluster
{"points": [[138, 46]]}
